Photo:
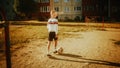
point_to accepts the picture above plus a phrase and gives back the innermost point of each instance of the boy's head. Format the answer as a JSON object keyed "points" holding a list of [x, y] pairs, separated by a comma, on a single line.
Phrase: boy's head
{"points": [[53, 14]]}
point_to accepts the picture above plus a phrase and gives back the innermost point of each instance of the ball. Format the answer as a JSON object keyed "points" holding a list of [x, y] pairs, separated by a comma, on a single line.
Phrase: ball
{"points": [[60, 50]]}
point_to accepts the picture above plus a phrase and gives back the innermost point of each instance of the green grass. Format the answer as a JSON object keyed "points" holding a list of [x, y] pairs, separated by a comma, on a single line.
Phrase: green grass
{"points": [[25, 34], [28, 33]]}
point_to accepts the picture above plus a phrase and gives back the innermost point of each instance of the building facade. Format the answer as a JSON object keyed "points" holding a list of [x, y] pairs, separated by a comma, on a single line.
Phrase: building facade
{"points": [[44, 9], [114, 11], [94, 9], [78, 10], [107, 10], [68, 9]]}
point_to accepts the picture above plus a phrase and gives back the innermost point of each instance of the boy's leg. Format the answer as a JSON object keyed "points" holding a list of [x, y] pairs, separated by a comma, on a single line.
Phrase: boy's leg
{"points": [[49, 43], [55, 45], [48, 46], [55, 41]]}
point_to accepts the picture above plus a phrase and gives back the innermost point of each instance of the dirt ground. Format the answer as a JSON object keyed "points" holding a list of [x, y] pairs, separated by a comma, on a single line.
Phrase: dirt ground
{"points": [[86, 49]]}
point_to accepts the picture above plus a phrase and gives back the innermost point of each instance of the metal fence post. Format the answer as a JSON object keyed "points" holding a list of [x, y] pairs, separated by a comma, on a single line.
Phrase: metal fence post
{"points": [[7, 38]]}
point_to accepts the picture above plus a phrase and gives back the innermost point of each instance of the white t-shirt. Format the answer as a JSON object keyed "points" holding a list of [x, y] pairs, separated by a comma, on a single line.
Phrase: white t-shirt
{"points": [[52, 25]]}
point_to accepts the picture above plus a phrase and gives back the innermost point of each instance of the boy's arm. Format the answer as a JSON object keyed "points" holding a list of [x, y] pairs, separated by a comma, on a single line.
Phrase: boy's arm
{"points": [[48, 23], [57, 30]]}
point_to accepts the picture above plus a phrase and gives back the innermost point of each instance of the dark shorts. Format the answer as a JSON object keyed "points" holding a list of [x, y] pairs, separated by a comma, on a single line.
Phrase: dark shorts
{"points": [[52, 36]]}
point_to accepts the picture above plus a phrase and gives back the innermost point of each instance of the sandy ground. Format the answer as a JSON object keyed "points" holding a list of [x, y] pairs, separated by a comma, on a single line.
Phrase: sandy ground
{"points": [[90, 49]]}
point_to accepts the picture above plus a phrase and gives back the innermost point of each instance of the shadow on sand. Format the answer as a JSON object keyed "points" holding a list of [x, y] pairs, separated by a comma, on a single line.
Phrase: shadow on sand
{"points": [[84, 60], [117, 42]]}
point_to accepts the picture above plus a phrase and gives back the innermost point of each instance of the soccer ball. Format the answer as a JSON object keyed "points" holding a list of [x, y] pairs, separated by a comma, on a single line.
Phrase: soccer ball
{"points": [[60, 50]]}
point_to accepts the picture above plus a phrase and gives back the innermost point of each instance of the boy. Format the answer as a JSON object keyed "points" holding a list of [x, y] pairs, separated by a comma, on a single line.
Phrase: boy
{"points": [[52, 26]]}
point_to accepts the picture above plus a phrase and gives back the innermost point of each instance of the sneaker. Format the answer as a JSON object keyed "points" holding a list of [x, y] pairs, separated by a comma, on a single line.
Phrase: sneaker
{"points": [[48, 55], [55, 51]]}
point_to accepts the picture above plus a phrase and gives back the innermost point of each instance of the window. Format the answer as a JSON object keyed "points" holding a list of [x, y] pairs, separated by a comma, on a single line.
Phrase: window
{"points": [[66, 9], [44, 9], [86, 8], [91, 8], [78, 8], [77, 0], [48, 9], [57, 8], [66, 0], [56, 0], [37, 1], [46, 1], [43, 1]]}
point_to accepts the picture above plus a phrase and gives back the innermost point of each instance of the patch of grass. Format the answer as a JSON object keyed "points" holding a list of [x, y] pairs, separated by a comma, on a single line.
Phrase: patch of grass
{"points": [[28, 33]]}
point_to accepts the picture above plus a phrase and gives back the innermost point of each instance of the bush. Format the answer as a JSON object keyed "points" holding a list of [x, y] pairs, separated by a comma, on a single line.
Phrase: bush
{"points": [[68, 19], [77, 19]]}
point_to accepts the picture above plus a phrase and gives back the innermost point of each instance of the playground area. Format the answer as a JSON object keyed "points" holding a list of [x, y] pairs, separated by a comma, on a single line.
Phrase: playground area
{"points": [[85, 46]]}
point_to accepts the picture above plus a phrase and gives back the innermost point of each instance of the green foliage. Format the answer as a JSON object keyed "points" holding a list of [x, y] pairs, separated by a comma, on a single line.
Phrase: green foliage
{"points": [[27, 7], [7, 7], [77, 19]]}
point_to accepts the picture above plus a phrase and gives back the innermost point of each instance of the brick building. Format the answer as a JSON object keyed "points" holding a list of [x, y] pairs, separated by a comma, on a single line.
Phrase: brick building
{"points": [[44, 9], [99, 9], [94, 8], [79, 9], [67, 9], [114, 10]]}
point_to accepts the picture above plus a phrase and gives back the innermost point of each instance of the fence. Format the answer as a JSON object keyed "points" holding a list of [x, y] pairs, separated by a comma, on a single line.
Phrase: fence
{"points": [[4, 30]]}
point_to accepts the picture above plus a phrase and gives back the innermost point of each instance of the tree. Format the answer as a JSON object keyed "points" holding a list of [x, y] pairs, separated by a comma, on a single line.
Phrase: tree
{"points": [[27, 7], [7, 5]]}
